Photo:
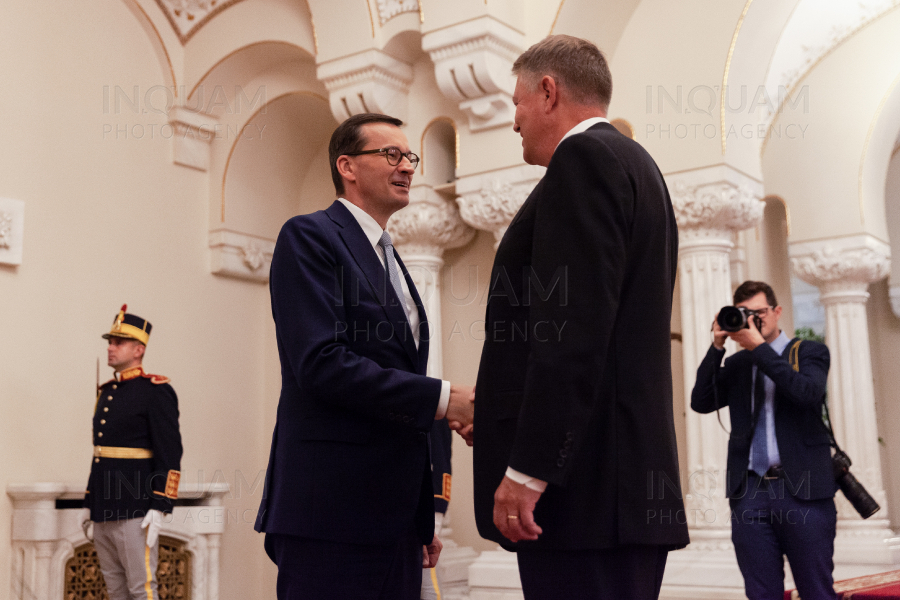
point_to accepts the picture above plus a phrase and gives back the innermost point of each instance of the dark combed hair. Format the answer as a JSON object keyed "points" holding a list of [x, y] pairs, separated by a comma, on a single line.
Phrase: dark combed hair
{"points": [[748, 289], [575, 64], [348, 138]]}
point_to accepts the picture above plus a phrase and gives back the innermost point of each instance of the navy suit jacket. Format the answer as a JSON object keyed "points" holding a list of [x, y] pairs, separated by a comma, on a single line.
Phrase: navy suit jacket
{"points": [[803, 443], [349, 460]]}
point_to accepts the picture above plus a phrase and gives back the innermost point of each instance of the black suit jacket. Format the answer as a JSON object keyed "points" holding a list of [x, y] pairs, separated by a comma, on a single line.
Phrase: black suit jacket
{"points": [[803, 443], [575, 382], [349, 460]]}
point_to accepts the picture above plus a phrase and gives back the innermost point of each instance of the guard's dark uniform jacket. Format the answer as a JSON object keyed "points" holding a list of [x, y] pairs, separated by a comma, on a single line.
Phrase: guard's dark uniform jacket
{"points": [[137, 448]]}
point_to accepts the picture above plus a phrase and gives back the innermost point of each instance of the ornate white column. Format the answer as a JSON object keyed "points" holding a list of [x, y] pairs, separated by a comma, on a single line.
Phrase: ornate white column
{"points": [[710, 206], [842, 269], [421, 232], [489, 201]]}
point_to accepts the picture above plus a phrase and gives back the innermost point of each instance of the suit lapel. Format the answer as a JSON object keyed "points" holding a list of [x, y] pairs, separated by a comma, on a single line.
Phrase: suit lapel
{"points": [[364, 255], [424, 333]]}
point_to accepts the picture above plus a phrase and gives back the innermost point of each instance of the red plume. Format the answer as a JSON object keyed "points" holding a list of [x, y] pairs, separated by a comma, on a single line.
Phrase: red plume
{"points": [[124, 307]]}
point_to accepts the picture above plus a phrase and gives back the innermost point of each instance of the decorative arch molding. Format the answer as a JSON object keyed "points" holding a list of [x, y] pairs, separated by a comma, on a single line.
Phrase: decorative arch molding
{"points": [[187, 16], [239, 250], [806, 41], [156, 34]]}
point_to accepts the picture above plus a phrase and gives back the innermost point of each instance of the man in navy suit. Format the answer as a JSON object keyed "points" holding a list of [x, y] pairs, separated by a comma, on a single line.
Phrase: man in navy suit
{"points": [[780, 480], [348, 508]]}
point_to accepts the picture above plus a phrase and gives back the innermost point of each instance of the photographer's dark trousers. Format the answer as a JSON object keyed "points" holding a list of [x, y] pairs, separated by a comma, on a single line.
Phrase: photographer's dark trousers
{"points": [[767, 523]]}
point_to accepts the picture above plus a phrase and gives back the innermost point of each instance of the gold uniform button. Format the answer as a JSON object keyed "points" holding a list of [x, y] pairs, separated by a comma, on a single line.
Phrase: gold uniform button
{"points": [[100, 434], [96, 460], [109, 397], [106, 409], [103, 421], [115, 387]]}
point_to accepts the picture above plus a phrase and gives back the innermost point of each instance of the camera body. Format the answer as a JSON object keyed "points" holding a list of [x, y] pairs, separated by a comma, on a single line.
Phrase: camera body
{"points": [[853, 490], [735, 318]]}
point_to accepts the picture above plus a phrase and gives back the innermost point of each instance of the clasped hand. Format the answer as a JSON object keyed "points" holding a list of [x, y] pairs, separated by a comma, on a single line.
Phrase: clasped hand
{"points": [[461, 411]]}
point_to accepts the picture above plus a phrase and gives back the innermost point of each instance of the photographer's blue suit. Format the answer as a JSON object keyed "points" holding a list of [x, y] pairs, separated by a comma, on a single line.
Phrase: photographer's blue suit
{"points": [[793, 515], [349, 464]]}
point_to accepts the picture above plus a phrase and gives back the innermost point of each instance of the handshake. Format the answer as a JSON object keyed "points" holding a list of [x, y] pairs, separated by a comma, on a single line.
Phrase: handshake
{"points": [[461, 411]]}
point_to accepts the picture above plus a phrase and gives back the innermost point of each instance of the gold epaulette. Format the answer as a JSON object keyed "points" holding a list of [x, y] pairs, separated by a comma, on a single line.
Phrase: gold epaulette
{"points": [[157, 379]]}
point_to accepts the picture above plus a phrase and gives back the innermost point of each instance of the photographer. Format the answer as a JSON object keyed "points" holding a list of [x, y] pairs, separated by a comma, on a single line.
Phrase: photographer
{"points": [[780, 480]]}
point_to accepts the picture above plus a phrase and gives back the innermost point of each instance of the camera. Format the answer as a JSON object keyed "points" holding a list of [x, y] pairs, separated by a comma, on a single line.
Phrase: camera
{"points": [[735, 318], [853, 490]]}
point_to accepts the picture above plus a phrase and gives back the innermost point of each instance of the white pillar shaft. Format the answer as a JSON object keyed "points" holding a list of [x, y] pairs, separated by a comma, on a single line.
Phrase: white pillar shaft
{"points": [[425, 271], [851, 392], [705, 283]]}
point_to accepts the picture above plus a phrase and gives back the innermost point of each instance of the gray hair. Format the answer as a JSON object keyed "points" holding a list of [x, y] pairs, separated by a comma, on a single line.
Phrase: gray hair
{"points": [[577, 65]]}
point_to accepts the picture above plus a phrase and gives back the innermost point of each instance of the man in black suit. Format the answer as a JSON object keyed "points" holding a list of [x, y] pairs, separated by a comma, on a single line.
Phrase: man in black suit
{"points": [[780, 479], [574, 394], [348, 502]]}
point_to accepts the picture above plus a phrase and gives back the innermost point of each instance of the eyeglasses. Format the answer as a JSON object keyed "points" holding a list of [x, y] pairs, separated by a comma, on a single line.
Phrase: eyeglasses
{"points": [[392, 154], [763, 312]]}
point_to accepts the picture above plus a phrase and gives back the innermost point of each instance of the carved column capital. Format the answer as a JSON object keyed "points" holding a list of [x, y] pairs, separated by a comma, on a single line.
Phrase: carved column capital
{"points": [[12, 229], [429, 225], [239, 255], [490, 201], [371, 81], [472, 64], [712, 204], [842, 268]]}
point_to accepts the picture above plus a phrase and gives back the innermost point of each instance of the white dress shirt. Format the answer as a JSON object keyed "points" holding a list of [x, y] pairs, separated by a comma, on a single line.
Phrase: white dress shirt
{"points": [[373, 232], [539, 485]]}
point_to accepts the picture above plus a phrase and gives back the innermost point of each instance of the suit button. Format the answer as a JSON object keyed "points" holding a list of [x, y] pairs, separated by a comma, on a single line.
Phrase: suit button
{"points": [[100, 434], [106, 409], [567, 444], [560, 462], [391, 415], [570, 436], [563, 453], [103, 421], [407, 420]]}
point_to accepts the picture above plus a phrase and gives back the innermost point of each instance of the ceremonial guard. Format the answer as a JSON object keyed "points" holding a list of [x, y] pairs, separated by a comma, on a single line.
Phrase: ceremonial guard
{"points": [[136, 466]]}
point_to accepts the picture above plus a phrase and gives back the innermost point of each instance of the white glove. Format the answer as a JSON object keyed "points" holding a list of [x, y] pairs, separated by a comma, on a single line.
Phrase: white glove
{"points": [[87, 526], [438, 523], [153, 524]]}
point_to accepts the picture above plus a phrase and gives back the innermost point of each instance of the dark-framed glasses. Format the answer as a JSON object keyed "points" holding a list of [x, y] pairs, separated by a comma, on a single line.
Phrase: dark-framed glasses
{"points": [[393, 155]]}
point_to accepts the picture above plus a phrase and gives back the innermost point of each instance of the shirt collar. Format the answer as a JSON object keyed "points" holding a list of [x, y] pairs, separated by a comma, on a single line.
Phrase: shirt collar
{"points": [[583, 126], [369, 225], [780, 343]]}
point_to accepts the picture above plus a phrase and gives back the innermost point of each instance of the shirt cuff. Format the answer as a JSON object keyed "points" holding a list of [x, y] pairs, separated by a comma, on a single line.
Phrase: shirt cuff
{"points": [[526, 480], [443, 401]]}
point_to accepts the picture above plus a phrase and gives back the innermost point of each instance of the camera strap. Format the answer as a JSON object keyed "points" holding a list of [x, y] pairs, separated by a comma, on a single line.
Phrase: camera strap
{"points": [[794, 358], [757, 406]]}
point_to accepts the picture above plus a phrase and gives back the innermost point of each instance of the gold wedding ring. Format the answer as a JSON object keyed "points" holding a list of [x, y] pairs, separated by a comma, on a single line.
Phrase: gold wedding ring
{"points": [[512, 516]]}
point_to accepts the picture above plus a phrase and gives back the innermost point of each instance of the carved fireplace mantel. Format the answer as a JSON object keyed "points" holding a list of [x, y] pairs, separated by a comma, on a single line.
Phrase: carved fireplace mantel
{"points": [[46, 532]]}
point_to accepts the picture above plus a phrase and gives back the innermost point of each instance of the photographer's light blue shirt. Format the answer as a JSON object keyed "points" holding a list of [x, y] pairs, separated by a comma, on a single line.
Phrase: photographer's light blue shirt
{"points": [[767, 417]]}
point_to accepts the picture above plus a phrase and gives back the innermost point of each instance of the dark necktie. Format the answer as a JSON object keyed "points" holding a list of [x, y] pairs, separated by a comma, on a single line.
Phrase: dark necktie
{"points": [[759, 448]]}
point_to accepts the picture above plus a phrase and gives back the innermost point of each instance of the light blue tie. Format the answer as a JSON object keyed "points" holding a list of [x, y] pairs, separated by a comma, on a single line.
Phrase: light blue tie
{"points": [[759, 447], [390, 264]]}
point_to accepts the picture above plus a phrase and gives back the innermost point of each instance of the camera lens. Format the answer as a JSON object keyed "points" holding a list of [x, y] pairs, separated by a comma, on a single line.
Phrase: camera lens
{"points": [[731, 318]]}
